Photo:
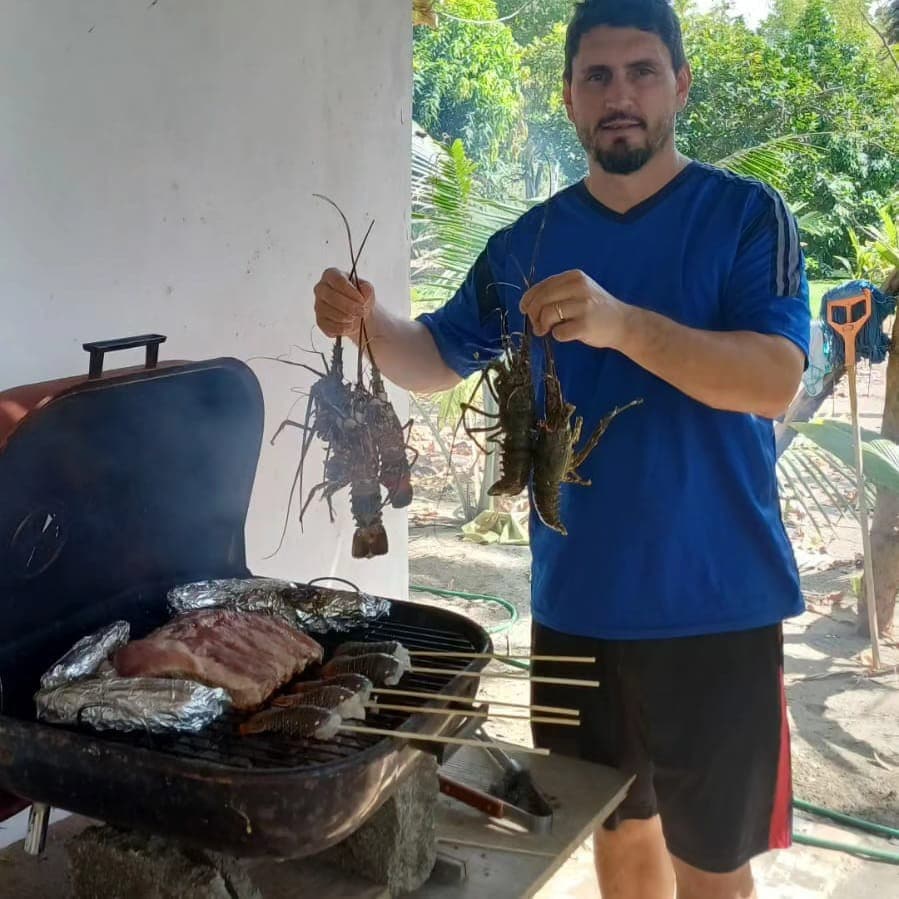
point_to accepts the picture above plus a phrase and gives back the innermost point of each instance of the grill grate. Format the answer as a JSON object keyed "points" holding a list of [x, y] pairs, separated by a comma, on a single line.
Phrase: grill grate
{"points": [[221, 743]]}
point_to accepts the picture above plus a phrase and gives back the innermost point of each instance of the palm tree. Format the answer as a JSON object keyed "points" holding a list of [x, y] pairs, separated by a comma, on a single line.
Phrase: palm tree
{"points": [[885, 523]]}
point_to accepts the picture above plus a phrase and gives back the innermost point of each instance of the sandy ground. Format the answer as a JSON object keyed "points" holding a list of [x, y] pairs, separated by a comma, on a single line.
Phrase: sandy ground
{"points": [[845, 725]]}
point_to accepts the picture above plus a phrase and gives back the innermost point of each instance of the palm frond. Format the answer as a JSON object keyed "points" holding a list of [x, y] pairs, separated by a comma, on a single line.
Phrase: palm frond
{"points": [[769, 161], [451, 219], [880, 456], [819, 485]]}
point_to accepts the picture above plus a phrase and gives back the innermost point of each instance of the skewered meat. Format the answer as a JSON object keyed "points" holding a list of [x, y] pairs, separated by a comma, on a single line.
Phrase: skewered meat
{"points": [[248, 654], [343, 700], [380, 668], [389, 647], [356, 682], [302, 721]]}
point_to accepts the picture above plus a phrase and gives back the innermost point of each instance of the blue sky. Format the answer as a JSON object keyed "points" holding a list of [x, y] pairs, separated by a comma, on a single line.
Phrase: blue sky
{"points": [[752, 10]]}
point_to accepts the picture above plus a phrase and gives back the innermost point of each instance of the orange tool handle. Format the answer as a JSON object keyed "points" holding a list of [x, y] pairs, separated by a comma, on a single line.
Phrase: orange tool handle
{"points": [[849, 329]]}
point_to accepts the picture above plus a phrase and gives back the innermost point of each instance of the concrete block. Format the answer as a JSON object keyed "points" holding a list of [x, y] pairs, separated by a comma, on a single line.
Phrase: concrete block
{"points": [[397, 846], [112, 864]]}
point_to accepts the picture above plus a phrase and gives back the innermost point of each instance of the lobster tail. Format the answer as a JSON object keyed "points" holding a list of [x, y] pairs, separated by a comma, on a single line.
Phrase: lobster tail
{"points": [[516, 469], [370, 541]]}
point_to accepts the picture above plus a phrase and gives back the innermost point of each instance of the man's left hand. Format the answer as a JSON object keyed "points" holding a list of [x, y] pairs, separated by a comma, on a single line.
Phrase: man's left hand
{"points": [[574, 307]]}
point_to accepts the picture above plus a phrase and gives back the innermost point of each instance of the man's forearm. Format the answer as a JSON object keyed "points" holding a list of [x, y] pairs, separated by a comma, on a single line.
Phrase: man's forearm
{"points": [[406, 353], [736, 371]]}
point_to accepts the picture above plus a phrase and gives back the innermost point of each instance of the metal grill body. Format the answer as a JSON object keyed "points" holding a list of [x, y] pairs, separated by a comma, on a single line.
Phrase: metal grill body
{"points": [[261, 795], [114, 489]]}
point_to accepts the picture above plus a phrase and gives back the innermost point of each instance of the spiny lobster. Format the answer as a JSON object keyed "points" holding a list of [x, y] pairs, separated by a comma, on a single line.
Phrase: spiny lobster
{"points": [[556, 461], [365, 444]]}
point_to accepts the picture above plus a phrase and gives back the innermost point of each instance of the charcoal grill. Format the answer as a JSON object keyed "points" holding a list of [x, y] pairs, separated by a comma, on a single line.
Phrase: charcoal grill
{"points": [[115, 488]]}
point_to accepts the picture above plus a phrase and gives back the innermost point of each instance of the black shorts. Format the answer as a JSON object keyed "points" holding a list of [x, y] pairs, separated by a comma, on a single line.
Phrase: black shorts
{"points": [[700, 721]]}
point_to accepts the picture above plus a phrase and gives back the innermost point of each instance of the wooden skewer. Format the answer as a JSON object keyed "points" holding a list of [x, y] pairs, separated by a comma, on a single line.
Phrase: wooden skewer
{"points": [[468, 713], [568, 681], [418, 694], [456, 741], [471, 844], [499, 657]]}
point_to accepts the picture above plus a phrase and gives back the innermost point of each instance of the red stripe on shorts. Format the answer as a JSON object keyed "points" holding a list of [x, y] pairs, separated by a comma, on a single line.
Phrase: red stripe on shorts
{"points": [[780, 833]]}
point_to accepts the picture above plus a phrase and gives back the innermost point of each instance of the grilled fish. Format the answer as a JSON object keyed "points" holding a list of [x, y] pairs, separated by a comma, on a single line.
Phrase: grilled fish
{"points": [[302, 721], [379, 667], [346, 702], [389, 647], [358, 683]]}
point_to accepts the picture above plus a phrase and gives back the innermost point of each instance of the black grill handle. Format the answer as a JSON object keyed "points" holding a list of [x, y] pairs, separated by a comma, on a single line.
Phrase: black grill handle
{"points": [[99, 348]]}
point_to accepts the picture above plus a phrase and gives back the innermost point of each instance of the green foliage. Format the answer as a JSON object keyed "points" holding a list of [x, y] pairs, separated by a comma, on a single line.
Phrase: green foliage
{"points": [[809, 102], [553, 147], [875, 250], [466, 80], [536, 18], [808, 72], [739, 87], [854, 104]]}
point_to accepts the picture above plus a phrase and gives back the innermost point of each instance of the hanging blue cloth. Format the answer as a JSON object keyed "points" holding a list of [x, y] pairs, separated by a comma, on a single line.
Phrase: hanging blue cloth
{"points": [[871, 342]]}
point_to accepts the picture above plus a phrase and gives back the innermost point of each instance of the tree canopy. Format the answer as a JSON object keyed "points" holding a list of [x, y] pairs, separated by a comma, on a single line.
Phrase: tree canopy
{"points": [[815, 69]]}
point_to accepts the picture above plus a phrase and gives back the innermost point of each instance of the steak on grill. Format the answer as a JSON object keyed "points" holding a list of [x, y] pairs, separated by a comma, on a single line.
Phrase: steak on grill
{"points": [[249, 654]]}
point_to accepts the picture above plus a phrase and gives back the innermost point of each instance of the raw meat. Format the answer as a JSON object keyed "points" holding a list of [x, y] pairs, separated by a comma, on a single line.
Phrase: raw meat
{"points": [[248, 654]]}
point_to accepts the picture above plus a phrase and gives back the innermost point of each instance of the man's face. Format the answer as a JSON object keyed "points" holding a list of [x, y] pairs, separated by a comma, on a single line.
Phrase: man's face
{"points": [[624, 96]]}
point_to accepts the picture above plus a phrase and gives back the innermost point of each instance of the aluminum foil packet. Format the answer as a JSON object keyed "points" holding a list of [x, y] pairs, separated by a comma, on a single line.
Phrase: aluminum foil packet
{"points": [[237, 594], [157, 705], [311, 608], [325, 611], [87, 655]]}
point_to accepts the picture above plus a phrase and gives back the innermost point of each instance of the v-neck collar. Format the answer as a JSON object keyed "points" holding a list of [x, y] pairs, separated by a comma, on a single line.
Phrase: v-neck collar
{"points": [[644, 206]]}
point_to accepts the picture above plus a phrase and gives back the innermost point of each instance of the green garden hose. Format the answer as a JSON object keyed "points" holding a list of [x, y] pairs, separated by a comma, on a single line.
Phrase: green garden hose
{"points": [[876, 855], [476, 597], [839, 817], [849, 820], [482, 597]]}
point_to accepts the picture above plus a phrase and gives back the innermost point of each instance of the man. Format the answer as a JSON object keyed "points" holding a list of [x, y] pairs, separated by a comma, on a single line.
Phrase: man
{"points": [[675, 282]]}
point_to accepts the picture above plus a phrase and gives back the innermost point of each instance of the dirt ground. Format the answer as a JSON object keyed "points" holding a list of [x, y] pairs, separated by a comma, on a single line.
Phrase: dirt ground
{"points": [[844, 724]]}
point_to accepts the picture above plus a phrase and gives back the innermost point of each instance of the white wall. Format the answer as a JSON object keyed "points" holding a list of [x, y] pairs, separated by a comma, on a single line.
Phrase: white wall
{"points": [[157, 166]]}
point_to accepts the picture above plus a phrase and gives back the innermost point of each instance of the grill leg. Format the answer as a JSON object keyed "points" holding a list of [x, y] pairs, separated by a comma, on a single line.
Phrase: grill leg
{"points": [[38, 821]]}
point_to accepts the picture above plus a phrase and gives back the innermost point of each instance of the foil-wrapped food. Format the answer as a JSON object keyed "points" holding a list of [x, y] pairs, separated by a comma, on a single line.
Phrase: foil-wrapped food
{"points": [[149, 704], [83, 687], [87, 656], [311, 608]]}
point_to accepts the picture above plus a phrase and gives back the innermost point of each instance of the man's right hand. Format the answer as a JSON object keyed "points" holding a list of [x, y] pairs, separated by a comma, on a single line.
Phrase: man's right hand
{"points": [[339, 307], [406, 352]]}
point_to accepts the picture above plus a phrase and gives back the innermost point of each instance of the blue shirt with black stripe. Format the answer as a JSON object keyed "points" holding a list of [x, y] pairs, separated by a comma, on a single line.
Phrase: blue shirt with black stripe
{"points": [[680, 532]]}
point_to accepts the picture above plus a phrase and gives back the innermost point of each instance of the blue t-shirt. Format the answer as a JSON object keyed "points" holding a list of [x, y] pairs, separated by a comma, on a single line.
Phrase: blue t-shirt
{"points": [[680, 532]]}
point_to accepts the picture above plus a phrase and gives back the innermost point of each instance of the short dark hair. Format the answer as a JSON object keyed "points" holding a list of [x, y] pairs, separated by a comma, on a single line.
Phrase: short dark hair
{"points": [[655, 16]]}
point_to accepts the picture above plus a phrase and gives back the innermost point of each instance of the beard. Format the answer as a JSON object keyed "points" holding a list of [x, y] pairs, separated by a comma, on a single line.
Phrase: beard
{"points": [[622, 157]]}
